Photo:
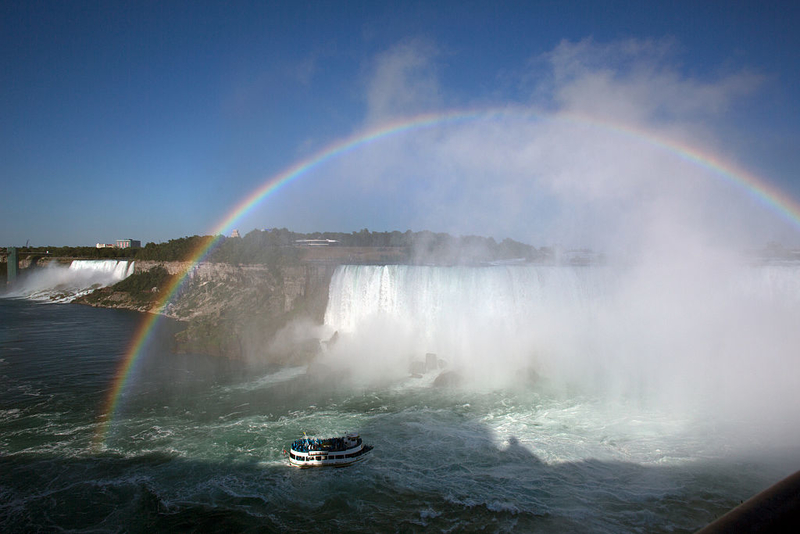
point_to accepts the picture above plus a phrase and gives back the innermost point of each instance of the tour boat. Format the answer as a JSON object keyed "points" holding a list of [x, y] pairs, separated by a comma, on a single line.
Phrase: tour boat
{"points": [[333, 452]]}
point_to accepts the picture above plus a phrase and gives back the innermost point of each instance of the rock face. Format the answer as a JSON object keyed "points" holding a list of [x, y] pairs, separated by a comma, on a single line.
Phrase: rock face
{"points": [[431, 362], [232, 311], [417, 368], [448, 379], [237, 311]]}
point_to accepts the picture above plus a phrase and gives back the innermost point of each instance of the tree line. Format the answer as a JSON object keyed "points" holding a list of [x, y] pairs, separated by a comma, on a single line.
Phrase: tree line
{"points": [[284, 247]]}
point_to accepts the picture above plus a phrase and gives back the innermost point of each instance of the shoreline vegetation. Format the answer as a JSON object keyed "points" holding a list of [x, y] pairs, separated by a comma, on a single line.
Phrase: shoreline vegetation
{"points": [[283, 246]]}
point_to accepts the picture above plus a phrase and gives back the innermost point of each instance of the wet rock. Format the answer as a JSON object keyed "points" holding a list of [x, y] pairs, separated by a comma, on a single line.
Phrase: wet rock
{"points": [[417, 368], [530, 377], [431, 362], [448, 379]]}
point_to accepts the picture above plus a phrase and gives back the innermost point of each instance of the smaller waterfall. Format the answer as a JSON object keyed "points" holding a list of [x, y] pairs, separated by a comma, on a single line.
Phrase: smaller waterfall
{"points": [[114, 270], [58, 283]]}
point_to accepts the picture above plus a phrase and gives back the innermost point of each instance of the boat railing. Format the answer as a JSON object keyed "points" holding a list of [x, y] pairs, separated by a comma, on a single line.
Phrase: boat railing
{"points": [[321, 445]]}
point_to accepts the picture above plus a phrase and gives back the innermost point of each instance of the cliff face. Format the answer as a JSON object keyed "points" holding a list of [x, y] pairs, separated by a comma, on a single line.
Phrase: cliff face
{"points": [[234, 311]]}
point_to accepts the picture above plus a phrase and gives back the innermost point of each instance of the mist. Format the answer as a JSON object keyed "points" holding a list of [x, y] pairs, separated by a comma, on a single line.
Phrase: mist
{"points": [[678, 317], [654, 335], [64, 283]]}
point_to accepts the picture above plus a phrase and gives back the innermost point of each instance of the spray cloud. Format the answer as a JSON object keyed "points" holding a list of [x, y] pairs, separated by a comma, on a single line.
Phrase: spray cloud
{"points": [[677, 315]]}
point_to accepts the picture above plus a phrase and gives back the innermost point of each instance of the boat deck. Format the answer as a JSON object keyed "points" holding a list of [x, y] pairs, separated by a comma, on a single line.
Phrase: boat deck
{"points": [[335, 452]]}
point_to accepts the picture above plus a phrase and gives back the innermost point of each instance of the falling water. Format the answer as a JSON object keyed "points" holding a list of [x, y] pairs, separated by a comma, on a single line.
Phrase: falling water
{"points": [[724, 338], [59, 283]]}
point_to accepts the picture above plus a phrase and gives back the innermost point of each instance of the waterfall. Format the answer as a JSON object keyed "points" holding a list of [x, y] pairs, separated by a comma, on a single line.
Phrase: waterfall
{"points": [[435, 298], [488, 319], [631, 329], [113, 270], [57, 283]]}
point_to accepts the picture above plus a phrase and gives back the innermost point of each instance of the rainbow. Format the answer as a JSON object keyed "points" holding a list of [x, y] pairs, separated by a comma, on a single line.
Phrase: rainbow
{"points": [[767, 194]]}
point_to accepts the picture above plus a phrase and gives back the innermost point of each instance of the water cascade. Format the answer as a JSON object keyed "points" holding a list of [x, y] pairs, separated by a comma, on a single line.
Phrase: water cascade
{"points": [[59, 283], [487, 321], [112, 269], [670, 333]]}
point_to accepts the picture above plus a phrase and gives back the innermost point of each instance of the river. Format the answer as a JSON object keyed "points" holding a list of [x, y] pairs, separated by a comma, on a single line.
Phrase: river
{"points": [[196, 444]]}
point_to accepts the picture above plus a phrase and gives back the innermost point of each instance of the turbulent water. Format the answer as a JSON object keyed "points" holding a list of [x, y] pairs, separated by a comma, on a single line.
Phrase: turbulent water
{"points": [[196, 443]]}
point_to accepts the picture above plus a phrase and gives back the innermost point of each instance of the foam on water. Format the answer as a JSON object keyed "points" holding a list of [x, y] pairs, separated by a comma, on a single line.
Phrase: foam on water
{"points": [[283, 375], [678, 337], [199, 442], [449, 457]]}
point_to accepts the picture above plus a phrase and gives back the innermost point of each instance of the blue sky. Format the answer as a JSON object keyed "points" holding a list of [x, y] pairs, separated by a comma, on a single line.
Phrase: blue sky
{"points": [[153, 120]]}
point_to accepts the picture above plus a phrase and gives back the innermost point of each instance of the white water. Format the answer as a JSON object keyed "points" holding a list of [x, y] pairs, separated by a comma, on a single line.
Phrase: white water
{"points": [[723, 342], [503, 316], [656, 369], [58, 283], [202, 440]]}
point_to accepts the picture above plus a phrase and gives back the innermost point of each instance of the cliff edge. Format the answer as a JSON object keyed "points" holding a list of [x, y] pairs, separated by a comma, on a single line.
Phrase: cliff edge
{"points": [[232, 311]]}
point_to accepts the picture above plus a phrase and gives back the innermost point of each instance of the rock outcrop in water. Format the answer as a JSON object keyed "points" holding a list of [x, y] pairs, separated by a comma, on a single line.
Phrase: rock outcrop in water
{"points": [[432, 363], [448, 379]]}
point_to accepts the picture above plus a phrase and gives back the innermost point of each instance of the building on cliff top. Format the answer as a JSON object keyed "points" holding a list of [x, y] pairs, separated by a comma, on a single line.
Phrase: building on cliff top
{"points": [[128, 243], [316, 242]]}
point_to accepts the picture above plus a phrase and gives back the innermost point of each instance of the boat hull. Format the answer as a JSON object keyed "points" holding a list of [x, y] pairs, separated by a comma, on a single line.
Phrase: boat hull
{"points": [[305, 460]]}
